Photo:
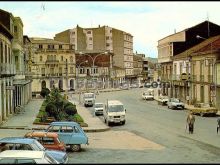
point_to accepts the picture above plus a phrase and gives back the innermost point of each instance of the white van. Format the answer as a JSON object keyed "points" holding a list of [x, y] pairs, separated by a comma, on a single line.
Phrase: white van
{"points": [[114, 112], [88, 99]]}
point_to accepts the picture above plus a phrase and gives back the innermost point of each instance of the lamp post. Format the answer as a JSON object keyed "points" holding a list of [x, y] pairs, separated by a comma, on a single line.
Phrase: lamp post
{"points": [[93, 62], [78, 67]]}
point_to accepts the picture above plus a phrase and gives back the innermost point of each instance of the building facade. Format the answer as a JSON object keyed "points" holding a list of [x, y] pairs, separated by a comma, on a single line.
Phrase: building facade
{"points": [[15, 89], [53, 65], [103, 39]]}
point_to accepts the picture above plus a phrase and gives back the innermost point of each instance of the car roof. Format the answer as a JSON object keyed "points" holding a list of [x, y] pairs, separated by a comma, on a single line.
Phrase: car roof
{"points": [[41, 134], [17, 140], [64, 123], [99, 103], [21, 154], [114, 102]]}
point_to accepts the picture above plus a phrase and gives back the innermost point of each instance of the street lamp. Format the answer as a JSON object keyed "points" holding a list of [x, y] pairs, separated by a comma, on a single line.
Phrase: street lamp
{"points": [[199, 37], [78, 67], [93, 62]]}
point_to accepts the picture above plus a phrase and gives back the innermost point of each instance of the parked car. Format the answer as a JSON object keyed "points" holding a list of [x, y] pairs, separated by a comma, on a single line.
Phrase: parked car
{"points": [[163, 100], [49, 140], [204, 109], [21, 143], [26, 157], [134, 86], [175, 103], [148, 95], [98, 109], [124, 86], [70, 133]]}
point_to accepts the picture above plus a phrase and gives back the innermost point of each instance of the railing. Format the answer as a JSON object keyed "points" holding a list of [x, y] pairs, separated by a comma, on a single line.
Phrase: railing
{"points": [[210, 78], [194, 77], [176, 77], [7, 69], [201, 78]]}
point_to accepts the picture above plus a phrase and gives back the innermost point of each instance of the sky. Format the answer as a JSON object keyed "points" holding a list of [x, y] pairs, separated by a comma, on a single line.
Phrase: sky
{"points": [[146, 21]]}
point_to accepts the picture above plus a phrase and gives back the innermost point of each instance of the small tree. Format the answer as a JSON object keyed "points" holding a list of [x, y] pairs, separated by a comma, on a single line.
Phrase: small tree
{"points": [[70, 110], [51, 110], [44, 92]]}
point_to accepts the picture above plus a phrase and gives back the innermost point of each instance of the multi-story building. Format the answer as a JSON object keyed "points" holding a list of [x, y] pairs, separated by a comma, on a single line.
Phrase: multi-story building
{"points": [[177, 43], [138, 68], [103, 39], [53, 65], [195, 72], [15, 89], [95, 70]]}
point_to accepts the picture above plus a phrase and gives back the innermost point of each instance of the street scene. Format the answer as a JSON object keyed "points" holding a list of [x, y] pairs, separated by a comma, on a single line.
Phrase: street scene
{"points": [[81, 85]]}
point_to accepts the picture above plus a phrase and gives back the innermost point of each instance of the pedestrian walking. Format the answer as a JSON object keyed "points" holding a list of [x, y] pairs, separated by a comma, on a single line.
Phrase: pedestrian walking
{"points": [[190, 121], [218, 124]]}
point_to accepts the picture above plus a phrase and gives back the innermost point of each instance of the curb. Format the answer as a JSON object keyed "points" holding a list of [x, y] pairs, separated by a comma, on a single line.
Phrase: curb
{"points": [[40, 128]]}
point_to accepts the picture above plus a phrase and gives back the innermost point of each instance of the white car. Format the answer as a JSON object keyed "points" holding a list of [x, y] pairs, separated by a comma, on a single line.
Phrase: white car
{"points": [[26, 157], [147, 95], [98, 108], [175, 103], [163, 100]]}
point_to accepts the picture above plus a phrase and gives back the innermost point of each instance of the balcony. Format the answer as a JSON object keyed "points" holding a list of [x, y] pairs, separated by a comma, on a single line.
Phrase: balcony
{"points": [[194, 77], [210, 78], [176, 77], [7, 70], [52, 62], [201, 78]]}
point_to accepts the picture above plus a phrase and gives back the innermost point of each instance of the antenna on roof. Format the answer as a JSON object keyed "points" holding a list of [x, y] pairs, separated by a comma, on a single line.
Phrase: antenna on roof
{"points": [[208, 24]]}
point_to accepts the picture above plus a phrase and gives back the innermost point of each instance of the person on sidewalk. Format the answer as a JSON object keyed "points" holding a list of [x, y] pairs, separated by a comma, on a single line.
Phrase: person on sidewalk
{"points": [[190, 121]]}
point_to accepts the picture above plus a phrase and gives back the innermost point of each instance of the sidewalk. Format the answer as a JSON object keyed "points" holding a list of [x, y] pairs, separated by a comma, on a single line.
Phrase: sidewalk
{"points": [[25, 119]]}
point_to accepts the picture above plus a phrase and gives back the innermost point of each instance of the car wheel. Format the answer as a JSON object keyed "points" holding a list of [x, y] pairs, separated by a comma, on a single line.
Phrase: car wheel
{"points": [[75, 147], [123, 122], [108, 123]]}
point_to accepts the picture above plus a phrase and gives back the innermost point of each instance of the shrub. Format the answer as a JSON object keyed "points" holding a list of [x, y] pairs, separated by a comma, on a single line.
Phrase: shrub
{"points": [[70, 109], [77, 118], [51, 110], [44, 92]]}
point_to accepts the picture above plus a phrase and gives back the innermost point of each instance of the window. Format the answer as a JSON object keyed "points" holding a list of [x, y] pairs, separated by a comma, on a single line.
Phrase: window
{"points": [[107, 44], [42, 71], [66, 129], [50, 46], [26, 161], [107, 37], [41, 58], [47, 140], [40, 46], [54, 129], [61, 58], [81, 71], [7, 161], [71, 58], [88, 32], [60, 47], [90, 38], [15, 29], [71, 70]]}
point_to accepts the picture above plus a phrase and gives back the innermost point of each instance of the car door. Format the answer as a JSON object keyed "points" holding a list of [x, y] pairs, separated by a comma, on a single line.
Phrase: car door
{"points": [[65, 134]]}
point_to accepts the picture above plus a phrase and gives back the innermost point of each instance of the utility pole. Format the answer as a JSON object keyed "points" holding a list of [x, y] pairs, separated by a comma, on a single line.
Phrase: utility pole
{"points": [[66, 79]]}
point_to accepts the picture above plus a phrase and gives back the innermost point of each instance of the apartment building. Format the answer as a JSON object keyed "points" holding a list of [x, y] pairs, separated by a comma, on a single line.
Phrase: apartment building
{"points": [[138, 68], [177, 43], [195, 73], [103, 39], [53, 65], [15, 89]]}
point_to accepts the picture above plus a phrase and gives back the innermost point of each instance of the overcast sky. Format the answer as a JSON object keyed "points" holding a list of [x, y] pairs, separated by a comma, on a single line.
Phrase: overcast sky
{"points": [[148, 22]]}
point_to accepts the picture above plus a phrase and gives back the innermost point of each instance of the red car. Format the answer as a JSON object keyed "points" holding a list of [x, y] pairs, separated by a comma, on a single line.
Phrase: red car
{"points": [[49, 140]]}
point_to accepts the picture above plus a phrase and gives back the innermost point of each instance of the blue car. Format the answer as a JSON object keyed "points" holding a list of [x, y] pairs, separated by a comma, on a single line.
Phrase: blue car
{"points": [[70, 133], [20, 143]]}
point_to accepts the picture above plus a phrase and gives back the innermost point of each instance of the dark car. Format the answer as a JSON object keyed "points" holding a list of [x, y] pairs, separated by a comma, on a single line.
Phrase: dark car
{"points": [[20, 143]]}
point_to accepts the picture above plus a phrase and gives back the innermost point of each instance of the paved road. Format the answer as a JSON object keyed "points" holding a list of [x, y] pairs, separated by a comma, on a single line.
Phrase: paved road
{"points": [[159, 126]]}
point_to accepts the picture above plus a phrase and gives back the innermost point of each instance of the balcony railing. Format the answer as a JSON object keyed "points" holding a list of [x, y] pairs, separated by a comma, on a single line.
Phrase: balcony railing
{"points": [[194, 77], [176, 77], [7, 69], [201, 78], [210, 78]]}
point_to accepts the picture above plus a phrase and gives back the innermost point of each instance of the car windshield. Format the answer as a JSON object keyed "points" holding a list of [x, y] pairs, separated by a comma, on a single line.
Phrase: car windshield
{"points": [[50, 159], [98, 105], [37, 146], [175, 100], [89, 95], [116, 108]]}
